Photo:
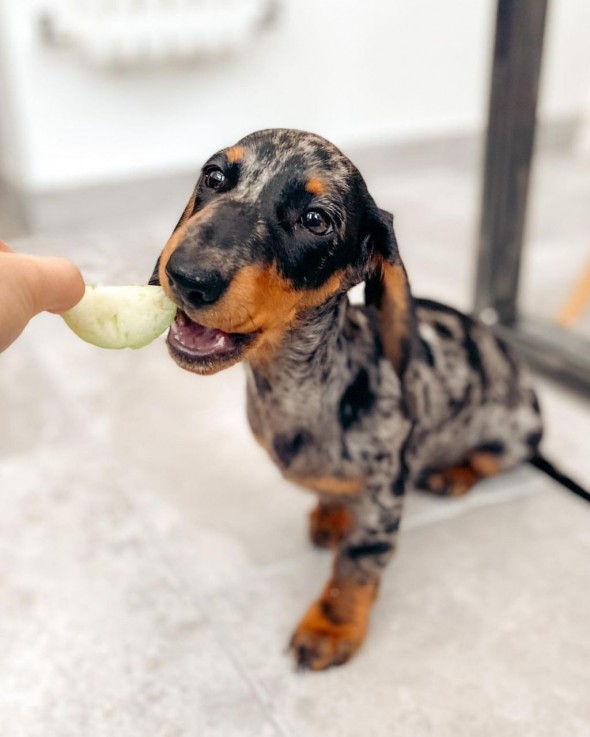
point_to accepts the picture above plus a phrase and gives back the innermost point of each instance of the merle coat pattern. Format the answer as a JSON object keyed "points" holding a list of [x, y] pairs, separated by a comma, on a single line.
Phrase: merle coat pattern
{"points": [[355, 403]]}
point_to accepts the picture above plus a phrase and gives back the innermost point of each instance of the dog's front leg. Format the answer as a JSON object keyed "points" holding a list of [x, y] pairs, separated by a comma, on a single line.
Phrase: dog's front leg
{"points": [[335, 625]]}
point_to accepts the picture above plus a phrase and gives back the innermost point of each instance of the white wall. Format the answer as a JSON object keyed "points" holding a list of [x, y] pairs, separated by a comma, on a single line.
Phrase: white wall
{"points": [[355, 71], [12, 166]]}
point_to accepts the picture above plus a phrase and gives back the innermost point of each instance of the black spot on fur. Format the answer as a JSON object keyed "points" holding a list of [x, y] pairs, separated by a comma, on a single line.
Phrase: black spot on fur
{"points": [[324, 156], [431, 304], [456, 406], [534, 439], [357, 400], [381, 456], [427, 353], [263, 385], [468, 325], [391, 526], [374, 289], [507, 353], [311, 356], [287, 447], [472, 351], [405, 407], [493, 447], [330, 613], [363, 551], [398, 487], [442, 330]]}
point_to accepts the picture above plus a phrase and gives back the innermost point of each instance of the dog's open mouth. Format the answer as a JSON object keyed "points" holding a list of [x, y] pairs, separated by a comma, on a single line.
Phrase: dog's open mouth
{"points": [[197, 347]]}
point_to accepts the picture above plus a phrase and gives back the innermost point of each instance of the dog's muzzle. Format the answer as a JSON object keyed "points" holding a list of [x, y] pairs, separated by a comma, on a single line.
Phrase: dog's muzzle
{"points": [[193, 286]]}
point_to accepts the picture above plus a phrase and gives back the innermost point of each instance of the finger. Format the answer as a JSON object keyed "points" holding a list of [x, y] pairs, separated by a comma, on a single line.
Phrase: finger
{"points": [[55, 284]]}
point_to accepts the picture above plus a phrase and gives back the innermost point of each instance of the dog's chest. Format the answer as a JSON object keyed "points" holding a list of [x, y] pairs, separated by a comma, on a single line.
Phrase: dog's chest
{"points": [[297, 423], [327, 433]]}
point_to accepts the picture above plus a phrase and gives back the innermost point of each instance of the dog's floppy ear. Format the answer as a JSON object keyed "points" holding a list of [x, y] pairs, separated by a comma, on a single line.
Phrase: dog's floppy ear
{"points": [[383, 240], [387, 287]]}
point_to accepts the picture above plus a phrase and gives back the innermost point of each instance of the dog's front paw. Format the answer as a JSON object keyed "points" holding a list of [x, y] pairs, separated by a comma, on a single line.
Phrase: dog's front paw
{"points": [[318, 643], [334, 627]]}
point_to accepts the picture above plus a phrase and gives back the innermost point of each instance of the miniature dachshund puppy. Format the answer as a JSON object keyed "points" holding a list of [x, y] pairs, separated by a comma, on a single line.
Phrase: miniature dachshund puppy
{"points": [[355, 403]]}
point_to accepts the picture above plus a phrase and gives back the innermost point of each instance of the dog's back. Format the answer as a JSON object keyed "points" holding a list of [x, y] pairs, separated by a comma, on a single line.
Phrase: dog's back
{"points": [[472, 395]]}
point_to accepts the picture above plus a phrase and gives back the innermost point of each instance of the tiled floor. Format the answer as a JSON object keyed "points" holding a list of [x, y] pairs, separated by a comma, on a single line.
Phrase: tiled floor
{"points": [[153, 562]]}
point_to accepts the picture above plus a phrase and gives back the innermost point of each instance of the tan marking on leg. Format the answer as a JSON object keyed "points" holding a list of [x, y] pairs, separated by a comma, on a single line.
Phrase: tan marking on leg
{"points": [[458, 480], [452, 481], [331, 484], [329, 524], [436, 483], [235, 154], [486, 464], [335, 625], [315, 186]]}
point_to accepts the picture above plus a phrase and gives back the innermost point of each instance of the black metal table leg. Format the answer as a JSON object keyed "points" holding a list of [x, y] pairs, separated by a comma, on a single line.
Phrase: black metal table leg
{"points": [[518, 51]]}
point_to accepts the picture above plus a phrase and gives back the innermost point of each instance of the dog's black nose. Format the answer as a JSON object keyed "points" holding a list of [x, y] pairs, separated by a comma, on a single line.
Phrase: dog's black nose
{"points": [[197, 287]]}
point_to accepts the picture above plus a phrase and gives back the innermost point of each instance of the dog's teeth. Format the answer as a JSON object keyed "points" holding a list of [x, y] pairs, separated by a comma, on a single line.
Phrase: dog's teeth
{"points": [[220, 342]]}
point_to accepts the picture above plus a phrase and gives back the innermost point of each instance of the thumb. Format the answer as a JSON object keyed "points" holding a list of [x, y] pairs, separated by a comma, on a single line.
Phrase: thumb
{"points": [[31, 284], [53, 284]]}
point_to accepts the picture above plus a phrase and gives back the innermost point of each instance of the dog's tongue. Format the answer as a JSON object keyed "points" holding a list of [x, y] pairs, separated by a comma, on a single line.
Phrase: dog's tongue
{"points": [[198, 339]]}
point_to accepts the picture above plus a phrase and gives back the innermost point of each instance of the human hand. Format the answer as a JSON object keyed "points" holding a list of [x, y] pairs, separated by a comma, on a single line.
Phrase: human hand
{"points": [[33, 284]]}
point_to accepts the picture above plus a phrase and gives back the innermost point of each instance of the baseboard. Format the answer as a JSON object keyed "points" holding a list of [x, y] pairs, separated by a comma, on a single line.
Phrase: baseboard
{"points": [[104, 207], [121, 204], [456, 150]]}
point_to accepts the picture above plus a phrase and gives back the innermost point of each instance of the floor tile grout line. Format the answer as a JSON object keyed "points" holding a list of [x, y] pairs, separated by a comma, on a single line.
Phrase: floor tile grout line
{"points": [[260, 692]]}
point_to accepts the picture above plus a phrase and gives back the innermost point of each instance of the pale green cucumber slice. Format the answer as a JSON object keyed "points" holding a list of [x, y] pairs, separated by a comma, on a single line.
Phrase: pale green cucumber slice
{"points": [[121, 317]]}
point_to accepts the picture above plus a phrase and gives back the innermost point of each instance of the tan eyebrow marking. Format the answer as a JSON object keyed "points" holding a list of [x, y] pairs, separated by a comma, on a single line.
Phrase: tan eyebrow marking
{"points": [[235, 154], [315, 186]]}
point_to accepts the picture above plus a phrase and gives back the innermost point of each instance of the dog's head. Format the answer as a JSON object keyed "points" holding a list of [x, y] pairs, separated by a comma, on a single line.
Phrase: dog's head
{"points": [[277, 225]]}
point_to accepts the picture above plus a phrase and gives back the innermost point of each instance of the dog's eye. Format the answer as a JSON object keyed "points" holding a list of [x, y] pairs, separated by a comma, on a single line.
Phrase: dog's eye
{"points": [[215, 179], [316, 221]]}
